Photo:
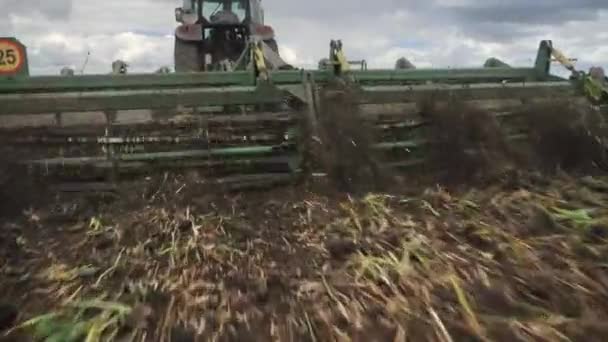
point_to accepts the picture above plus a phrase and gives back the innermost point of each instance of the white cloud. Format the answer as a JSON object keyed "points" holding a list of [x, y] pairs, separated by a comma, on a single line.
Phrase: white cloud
{"points": [[61, 32]]}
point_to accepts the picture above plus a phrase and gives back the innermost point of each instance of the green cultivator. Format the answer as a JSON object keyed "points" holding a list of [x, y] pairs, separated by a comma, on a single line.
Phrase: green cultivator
{"points": [[254, 122]]}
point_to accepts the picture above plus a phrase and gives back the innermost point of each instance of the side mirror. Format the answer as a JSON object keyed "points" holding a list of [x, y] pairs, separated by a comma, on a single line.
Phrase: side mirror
{"points": [[179, 14]]}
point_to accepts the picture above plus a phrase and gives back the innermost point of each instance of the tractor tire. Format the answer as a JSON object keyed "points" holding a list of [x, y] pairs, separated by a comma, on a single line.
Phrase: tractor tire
{"points": [[187, 56], [272, 44]]}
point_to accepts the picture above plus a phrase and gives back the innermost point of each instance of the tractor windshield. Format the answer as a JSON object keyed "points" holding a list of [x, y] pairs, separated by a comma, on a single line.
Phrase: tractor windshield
{"points": [[213, 7]]}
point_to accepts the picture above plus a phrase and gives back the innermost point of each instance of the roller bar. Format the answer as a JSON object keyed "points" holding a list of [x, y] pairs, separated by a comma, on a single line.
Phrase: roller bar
{"points": [[39, 103]]}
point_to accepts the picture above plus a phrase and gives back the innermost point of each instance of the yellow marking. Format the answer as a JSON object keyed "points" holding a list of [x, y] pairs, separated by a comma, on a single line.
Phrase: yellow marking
{"points": [[342, 61], [260, 61]]}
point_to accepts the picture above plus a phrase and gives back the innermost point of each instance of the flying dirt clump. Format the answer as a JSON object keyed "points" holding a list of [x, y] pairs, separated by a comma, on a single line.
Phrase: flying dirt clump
{"points": [[18, 189], [467, 142], [9, 190], [347, 142], [567, 135]]}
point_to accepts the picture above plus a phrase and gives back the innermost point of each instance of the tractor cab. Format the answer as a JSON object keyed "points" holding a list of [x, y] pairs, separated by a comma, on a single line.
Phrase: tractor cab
{"points": [[220, 12], [213, 34]]}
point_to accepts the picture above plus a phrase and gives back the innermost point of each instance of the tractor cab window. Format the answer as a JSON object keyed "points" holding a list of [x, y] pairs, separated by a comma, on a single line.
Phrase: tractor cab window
{"points": [[240, 9], [236, 7], [188, 13], [211, 7], [190, 6], [257, 14]]}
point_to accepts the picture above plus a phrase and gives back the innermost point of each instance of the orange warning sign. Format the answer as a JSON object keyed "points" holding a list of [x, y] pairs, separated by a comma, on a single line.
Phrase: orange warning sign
{"points": [[12, 57]]}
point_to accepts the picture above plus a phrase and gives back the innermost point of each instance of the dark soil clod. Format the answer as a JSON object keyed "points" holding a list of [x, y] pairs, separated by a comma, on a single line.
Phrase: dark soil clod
{"points": [[8, 316]]}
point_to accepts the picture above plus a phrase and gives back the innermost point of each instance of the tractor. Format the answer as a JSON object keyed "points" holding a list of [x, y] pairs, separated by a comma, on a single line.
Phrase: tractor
{"points": [[213, 35]]}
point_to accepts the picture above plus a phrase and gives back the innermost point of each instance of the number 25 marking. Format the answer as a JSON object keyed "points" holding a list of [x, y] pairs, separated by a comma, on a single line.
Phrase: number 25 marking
{"points": [[8, 57]]}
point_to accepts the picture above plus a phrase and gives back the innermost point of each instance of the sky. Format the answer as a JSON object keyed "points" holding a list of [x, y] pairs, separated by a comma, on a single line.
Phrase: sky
{"points": [[430, 33]]}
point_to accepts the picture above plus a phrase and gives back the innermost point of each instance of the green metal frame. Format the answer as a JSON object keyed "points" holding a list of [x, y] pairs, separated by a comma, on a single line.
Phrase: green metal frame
{"points": [[540, 72], [100, 100], [31, 95], [129, 81], [22, 94]]}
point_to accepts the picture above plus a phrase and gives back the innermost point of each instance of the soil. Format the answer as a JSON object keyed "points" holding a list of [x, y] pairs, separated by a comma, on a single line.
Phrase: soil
{"points": [[346, 258], [500, 262], [566, 135]]}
